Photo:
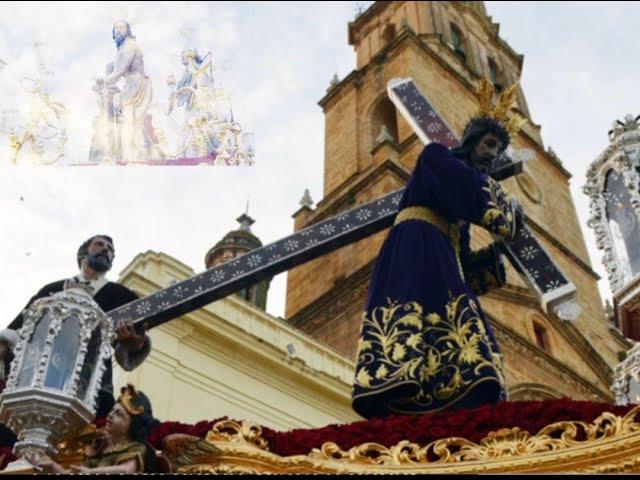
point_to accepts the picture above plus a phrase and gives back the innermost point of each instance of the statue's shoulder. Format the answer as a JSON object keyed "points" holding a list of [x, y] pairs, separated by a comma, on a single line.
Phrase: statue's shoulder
{"points": [[435, 149], [130, 45]]}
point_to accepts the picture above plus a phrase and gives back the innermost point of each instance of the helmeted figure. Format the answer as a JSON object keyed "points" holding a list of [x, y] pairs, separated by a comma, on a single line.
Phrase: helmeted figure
{"points": [[425, 343]]}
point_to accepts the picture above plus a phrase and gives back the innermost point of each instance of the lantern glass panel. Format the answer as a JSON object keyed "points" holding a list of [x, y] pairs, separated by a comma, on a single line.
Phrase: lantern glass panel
{"points": [[63, 355], [90, 364], [33, 351], [625, 230], [633, 390]]}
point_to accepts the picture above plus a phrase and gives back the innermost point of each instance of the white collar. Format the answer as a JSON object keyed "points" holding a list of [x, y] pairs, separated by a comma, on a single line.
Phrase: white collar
{"points": [[95, 285]]}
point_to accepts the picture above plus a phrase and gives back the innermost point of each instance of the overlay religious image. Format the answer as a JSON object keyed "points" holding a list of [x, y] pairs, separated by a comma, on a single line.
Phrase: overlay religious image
{"points": [[184, 119]]}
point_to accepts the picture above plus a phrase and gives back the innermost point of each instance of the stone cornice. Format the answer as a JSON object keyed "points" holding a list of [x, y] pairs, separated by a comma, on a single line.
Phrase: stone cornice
{"points": [[284, 376], [405, 33], [568, 331], [591, 356], [339, 290], [513, 294], [373, 9], [168, 263]]}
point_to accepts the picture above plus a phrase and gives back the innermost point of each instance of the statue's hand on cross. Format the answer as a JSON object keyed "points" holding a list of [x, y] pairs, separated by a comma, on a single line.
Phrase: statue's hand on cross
{"points": [[127, 335]]}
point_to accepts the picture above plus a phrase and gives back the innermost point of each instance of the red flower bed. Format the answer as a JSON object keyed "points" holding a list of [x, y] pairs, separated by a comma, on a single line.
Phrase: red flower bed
{"points": [[472, 424], [6, 456]]}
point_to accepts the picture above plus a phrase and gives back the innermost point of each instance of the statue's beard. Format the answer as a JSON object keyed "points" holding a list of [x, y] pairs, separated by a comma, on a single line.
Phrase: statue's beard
{"points": [[119, 39], [481, 163], [100, 262]]}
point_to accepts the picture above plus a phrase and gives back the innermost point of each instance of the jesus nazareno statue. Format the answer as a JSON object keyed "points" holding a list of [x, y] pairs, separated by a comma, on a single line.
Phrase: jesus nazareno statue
{"points": [[425, 343]]}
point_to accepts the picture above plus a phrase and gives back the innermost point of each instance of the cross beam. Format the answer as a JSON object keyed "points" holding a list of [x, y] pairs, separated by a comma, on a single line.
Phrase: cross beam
{"points": [[264, 262]]}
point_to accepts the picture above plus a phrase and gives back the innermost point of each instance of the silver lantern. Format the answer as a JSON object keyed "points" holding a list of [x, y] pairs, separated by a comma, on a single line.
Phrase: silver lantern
{"points": [[55, 376]]}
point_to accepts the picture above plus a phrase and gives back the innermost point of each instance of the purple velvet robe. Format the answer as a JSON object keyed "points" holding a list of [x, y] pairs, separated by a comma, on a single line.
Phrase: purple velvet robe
{"points": [[425, 343]]}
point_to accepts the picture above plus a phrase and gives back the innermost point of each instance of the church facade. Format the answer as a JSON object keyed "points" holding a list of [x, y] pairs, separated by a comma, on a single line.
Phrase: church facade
{"points": [[447, 48]]}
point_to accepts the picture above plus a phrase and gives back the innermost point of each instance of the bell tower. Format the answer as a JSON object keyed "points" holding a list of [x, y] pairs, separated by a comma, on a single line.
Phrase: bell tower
{"points": [[447, 48]]}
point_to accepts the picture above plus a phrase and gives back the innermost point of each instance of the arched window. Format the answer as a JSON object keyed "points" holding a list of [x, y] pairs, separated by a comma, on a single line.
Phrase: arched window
{"points": [[388, 33], [458, 43], [527, 392], [495, 75], [541, 337], [384, 124], [247, 294]]}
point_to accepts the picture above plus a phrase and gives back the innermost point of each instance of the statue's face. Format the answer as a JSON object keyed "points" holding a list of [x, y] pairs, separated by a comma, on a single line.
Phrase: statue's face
{"points": [[120, 31], [118, 421], [100, 254], [120, 28], [485, 152], [488, 146]]}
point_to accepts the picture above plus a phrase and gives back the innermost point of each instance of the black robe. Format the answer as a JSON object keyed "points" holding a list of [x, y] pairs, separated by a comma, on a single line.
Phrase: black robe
{"points": [[112, 295]]}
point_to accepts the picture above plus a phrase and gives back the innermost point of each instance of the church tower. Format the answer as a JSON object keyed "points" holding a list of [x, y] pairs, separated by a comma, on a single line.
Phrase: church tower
{"points": [[447, 48]]}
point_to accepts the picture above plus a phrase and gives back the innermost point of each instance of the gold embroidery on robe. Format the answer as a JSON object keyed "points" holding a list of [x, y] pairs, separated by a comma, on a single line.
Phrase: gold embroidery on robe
{"points": [[454, 352], [498, 217]]}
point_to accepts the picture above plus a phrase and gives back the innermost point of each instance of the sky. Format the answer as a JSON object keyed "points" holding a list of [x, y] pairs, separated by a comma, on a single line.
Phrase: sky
{"points": [[276, 60]]}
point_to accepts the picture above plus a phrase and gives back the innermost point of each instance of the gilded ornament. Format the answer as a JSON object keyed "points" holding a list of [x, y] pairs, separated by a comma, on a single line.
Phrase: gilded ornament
{"points": [[500, 109]]}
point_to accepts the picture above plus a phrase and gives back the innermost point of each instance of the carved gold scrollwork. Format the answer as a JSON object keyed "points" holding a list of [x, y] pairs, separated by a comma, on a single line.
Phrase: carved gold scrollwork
{"points": [[221, 469], [504, 443], [243, 433]]}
